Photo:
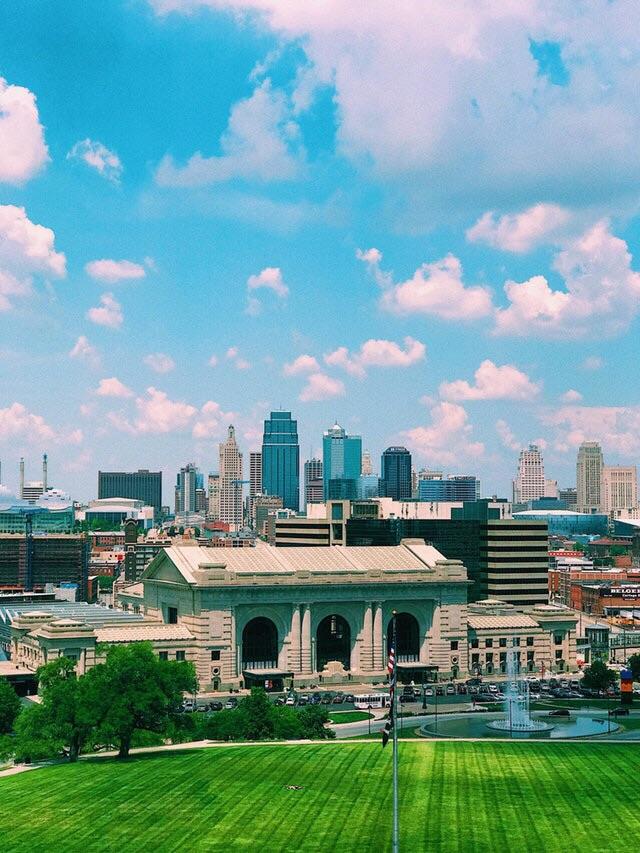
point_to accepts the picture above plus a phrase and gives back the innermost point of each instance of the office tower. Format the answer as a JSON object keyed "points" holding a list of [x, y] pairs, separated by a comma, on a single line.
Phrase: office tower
{"points": [[263, 506], [313, 488], [33, 562], [231, 481], [367, 464], [589, 476], [186, 485], [142, 485], [281, 459], [255, 473], [457, 488], [551, 489], [529, 482], [367, 487], [341, 463], [569, 497], [395, 474], [213, 496], [414, 483], [619, 488], [506, 559]]}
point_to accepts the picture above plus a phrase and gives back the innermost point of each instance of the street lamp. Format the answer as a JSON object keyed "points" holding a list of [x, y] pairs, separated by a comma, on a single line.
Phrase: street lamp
{"points": [[369, 710]]}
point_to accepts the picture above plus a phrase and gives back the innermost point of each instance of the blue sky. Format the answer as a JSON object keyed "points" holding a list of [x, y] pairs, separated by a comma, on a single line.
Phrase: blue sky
{"points": [[420, 221]]}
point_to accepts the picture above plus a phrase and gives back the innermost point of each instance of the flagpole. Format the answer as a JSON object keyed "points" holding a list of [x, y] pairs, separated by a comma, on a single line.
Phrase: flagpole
{"points": [[395, 843]]}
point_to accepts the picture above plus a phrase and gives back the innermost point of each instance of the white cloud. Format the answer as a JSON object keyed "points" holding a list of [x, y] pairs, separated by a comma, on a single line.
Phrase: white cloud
{"points": [[26, 249], [520, 232], [321, 387], [592, 362], [506, 436], [434, 289], [231, 353], [213, 361], [83, 350], [23, 151], [212, 419], [447, 438], [156, 414], [617, 428], [240, 363], [377, 353], [492, 382], [302, 364], [108, 313], [602, 293], [97, 156], [112, 387], [17, 422], [114, 271], [260, 143], [571, 396], [159, 362], [271, 279]]}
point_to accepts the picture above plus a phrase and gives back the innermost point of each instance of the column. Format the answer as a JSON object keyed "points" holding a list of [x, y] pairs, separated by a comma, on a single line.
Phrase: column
{"points": [[295, 662], [305, 651], [366, 654], [378, 651]]}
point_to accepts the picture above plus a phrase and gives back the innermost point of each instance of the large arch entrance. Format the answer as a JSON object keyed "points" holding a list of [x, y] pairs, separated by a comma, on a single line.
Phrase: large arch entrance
{"points": [[407, 638], [260, 644], [333, 642]]}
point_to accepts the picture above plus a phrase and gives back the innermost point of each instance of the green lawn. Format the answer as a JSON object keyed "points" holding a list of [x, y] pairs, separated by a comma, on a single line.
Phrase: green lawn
{"points": [[349, 716], [477, 797]]}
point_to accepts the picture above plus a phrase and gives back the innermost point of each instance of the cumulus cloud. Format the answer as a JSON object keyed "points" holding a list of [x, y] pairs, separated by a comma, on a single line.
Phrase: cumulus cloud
{"points": [[156, 414], [302, 364], [446, 438], [571, 396], [434, 289], [321, 387], [211, 421], [108, 313], [520, 232], [17, 422], [233, 355], [98, 157], [26, 249], [492, 382], [112, 272], [602, 293], [112, 387], [617, 428], [159, 362], [270, 278], [506, 436], [377, 353], [84, 351], [23, 151], [261, 142]]}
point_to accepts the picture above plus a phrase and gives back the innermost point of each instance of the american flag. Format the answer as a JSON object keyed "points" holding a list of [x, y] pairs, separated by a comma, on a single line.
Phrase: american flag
{"points": [[391, 670]]}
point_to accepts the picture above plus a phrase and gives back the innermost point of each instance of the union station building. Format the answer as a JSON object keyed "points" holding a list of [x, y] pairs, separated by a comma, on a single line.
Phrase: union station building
{"points": [[318, 615]]}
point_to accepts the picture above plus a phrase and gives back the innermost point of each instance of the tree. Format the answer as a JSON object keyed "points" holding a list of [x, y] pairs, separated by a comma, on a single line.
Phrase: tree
{"points": [[135, 690], [313, 719], [9, 706], [105, 581], [69, 716], [633, 663], [598, 676], [258, 713], [34, 739]]}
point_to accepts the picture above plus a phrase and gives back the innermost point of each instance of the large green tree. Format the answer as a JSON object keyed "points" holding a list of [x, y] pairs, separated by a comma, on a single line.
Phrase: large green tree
{"points": [[633, 663], [9, 706], [70, 716], [135, 690], [598, 676]]}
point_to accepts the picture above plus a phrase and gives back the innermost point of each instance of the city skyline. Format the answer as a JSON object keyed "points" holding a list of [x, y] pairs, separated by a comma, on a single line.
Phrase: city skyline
{"points": [[178, 254]]}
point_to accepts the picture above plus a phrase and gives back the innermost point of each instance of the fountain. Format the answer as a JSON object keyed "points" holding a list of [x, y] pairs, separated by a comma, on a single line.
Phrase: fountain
{"points": [[517, 702]]}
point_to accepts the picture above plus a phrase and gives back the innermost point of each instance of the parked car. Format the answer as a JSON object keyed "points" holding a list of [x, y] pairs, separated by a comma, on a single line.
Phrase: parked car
{"points": [[303, 700], [326, 699], [215, 706], [493, 688], [474, 690], [404, 699], [279, 700], [461, 689], [350, 698], [290, 700], [450, 690], [439, 691], [188, 705], [337, 700], [231, 703]]}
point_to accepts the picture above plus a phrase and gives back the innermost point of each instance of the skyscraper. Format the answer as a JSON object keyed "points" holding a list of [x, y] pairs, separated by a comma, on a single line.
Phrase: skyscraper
{"points": [[367, 464], [529, 482], [213, 496], [395, 474], [589, 476], [255, 480], [186, 485], [231, 481], [142, 485], [313, 489], [341, 463], [281, 459], [619, 488]]}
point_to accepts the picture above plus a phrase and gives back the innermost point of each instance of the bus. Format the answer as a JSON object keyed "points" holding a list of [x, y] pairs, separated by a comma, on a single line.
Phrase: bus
{"points": [[371, 700]]}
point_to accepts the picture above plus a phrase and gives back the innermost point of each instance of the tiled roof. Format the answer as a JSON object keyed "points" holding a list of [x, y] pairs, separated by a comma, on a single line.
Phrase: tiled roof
{"points": [[515, 620], [138, 633]]}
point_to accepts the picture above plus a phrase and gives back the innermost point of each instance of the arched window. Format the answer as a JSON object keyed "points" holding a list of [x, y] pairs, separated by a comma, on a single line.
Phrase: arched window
{"points": [[260, 644], [333, 642], [407, 638]]}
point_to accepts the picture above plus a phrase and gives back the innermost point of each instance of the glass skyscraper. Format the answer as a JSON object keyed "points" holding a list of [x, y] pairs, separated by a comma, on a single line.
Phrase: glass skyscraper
{"points": [[395, 474], [341, 463], [281, 459]]}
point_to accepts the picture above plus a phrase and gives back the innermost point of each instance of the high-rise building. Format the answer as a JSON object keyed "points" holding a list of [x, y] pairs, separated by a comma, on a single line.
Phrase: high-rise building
{"points": [[313, 488], [619, 489], [262, 506], [395, 474], [341, 463], [142, 485], [213, 496], [186, 487], [551, 489], [589, 476], [367, 464], [569, 497], [281, 459], [231, 481], [32, 490], [457, 488], [529, 482], [34, 562], [255, 480]]}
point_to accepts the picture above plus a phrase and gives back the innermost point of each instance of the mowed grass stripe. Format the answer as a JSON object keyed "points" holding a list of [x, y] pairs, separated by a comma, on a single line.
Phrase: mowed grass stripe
{"points": [[458, 797]]}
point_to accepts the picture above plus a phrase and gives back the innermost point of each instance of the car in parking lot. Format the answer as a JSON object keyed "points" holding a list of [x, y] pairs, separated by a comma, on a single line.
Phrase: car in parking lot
{"points": [[337, 700], [188, 705], [215, 706], [450, 690], [350, 698], [428, 691], [461, 689], [231, 703], [326, 699], [303, 700], [290, 700]]}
